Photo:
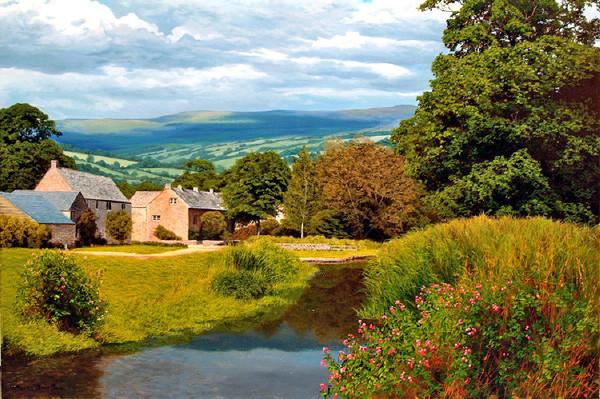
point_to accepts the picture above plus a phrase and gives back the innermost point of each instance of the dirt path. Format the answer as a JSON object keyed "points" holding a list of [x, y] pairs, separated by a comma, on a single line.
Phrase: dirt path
{"points": [[185, 251]]}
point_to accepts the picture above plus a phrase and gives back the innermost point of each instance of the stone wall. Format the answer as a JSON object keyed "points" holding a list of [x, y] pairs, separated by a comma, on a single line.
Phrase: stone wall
{"points": [[101, 209], [63, 234], [53, 181]]}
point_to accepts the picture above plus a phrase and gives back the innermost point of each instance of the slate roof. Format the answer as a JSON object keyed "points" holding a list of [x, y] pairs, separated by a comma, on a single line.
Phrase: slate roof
{"points": [[92, 186], [63, 200], [200, 199], [143, 198], [37, 207]]}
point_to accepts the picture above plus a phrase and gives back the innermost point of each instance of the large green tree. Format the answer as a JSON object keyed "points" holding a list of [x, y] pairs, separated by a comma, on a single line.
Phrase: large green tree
{"points": [[255, 187], [26, 147], [512, 122], [301, 197]]}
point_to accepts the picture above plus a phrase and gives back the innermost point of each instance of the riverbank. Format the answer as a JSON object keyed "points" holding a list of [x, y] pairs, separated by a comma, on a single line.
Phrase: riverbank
{"points": [[149, 296]]}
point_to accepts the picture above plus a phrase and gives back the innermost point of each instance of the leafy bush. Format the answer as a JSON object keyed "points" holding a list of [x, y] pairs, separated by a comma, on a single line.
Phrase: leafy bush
{"points": [[86, 227], [485, 306], [243, 233], [329, 224], [22, 232], [213, 226], [241, 284], [119, 225], [510, 340], [268, 227], [162, 233], [56, 289], [268, 264]]}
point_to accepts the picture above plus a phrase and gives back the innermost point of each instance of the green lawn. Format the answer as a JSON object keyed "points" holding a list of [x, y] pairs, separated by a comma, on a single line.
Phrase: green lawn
{"points": [[146, 298], [135, 248]]}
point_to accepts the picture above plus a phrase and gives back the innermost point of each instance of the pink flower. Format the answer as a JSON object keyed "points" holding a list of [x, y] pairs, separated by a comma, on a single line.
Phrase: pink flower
{"points": [[422, 351], [323, 387], [378, 350], [391, 351], [326, 350], [495, 308], [323, 363], [418, 342], [384, 317], [392, 309], [343, 370], [342, 389]]}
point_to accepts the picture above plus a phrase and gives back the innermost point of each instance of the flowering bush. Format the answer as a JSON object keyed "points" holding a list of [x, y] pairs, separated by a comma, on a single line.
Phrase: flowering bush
{"points": [[55, 288], [472, 341]]}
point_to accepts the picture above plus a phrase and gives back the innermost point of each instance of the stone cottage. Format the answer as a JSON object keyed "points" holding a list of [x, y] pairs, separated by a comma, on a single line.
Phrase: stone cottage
{"points": [[175, 208], [101, 193], [36, 207]]}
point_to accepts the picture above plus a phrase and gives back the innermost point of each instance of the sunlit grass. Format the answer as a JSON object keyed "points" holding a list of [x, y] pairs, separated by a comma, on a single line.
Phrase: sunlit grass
{"points": [[136, 249], [335, 254], [146, 298]]}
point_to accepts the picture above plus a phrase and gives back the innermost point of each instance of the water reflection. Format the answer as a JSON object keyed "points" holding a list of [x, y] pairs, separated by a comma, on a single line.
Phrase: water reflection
{"points": [[278, 359]]}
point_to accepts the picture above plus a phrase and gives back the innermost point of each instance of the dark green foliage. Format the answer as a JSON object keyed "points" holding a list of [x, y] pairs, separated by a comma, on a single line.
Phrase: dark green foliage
{"points": [[162, 233], [119, 225], [329, 223], [269, 226], [22, 232], [26, 148], [241, 284], [199, 173], [86, 227], [213, 226], [255, 270], [512, 118], [55, 288], [129, 189], [255, 187]]}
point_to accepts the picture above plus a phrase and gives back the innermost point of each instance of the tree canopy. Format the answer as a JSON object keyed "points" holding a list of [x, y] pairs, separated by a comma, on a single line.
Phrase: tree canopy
{"points": [[198, 173], [301, 197], [26, 147], [255, 187], [365, 184], [511, 123]]}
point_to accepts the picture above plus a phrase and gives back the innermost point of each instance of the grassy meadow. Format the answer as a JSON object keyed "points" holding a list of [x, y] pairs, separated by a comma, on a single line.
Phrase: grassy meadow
{"points": [[134, 249], [156, 297]]}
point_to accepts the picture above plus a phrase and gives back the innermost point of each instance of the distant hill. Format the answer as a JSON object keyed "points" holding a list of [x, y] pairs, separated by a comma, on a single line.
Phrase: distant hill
{"points": [[222, 137]]}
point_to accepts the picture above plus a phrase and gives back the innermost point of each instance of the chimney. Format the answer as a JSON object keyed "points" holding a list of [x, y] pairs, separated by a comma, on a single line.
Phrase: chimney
{"points": [[195, 189], [167, 186], [180, 187], [211, 191], [53, 164]]}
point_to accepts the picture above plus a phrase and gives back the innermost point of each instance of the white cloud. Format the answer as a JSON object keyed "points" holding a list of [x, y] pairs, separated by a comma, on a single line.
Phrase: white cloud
{"points": [[334, 92], [379, 12], [180, 31], [355, 40]]}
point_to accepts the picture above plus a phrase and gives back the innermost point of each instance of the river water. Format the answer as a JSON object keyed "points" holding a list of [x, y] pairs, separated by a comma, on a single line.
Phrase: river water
{"points": [[275, 359]]}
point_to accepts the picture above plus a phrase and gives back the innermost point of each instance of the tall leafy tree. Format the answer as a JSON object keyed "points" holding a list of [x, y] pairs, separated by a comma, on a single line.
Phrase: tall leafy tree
{"points": [[26, 147], [255, 187], [511, 124], [365, 184], [301, 197]]}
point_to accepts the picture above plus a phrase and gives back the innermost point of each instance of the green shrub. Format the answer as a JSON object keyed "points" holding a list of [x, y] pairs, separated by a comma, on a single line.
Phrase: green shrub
{"points": [[86, 227], [243, 233], [268, 227], [22, 232], [268, 264], [162, 233], [213, 226], [56, 289], [329, 224], [241, 284], [119, 225]]}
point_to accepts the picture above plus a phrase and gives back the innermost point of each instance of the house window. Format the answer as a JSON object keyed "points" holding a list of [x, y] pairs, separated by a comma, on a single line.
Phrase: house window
{"points": [[97, 204], [156, 218], [122, 206], [108, 205], [172, 201]]}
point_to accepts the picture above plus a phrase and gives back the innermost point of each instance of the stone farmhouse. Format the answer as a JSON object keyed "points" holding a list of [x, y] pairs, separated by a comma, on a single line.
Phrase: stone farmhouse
{"points": [[38, 208], [100, 193], [70, 203], [175, 208]]}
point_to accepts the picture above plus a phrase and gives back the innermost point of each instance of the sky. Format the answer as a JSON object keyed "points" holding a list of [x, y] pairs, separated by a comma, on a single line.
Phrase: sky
{"points": [[145, 58]]}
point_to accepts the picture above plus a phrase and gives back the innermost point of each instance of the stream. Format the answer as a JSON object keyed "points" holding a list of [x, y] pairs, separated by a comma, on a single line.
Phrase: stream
{"points": [[275, 359]]}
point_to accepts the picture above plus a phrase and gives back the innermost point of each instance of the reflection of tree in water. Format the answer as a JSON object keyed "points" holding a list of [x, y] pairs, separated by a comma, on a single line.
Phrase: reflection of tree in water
{"points": [[327, 308], [64, 376]]}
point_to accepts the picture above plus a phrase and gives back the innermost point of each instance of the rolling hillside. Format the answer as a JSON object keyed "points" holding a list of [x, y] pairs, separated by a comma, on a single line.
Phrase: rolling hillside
{"points": [[155, 148]]}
